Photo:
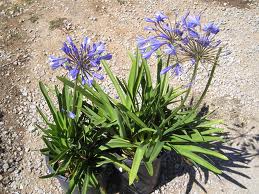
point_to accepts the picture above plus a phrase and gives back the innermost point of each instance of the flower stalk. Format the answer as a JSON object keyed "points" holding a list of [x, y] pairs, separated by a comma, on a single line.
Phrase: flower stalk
{"points": [[209, 80]]}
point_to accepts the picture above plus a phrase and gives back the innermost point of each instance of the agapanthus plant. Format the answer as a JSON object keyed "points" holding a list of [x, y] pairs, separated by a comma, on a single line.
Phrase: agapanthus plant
{"points": [[139, 125]]}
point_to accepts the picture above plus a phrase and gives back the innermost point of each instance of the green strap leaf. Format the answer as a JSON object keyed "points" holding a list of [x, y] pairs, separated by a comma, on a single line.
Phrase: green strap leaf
{"points": [[212, 130], [115, 161], [115, 83], [156, 151], [86, 182], [193, 148], [136, 163], [122, 130], [209, 124], [133, 72], [197, 159], [149, 168], [136, 119], [117, 142]]}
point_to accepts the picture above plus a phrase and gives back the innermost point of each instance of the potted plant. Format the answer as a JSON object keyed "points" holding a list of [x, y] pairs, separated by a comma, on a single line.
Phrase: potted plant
{"points": [[150, 117]]}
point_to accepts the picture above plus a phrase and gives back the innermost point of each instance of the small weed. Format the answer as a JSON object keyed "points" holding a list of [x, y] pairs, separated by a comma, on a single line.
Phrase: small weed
{"points": [[34, 18], [56, 23]]}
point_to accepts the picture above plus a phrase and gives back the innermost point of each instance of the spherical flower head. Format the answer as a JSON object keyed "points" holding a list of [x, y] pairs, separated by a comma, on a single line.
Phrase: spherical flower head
{"points": [[81, 62], [183, 39]]}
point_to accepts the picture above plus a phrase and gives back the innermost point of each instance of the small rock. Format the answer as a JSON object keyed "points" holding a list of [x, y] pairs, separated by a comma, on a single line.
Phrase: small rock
{"points": [[5, 167], [31, 128]]}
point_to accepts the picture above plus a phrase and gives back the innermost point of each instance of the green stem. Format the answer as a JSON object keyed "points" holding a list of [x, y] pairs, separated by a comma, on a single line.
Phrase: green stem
{"points": [[185, 98], [166, 78], [210, 79], [191, 82], [74, 95]]}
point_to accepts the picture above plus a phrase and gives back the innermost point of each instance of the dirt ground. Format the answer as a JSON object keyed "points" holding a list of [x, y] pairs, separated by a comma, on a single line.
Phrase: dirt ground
{"points": [[31, 30]]}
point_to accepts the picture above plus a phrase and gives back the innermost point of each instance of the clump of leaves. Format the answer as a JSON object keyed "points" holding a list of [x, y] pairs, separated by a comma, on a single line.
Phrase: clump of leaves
{"points": [[75, 146], [143, 126]]}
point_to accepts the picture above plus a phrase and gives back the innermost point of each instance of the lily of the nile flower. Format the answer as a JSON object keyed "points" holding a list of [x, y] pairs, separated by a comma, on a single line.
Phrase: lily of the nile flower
{"points": [[153, 45], [159, 17], [71, 115], [177, 69], [211, 28], [57, 62], [83, 61], [189, 23], [184, 40], [170, 50]]}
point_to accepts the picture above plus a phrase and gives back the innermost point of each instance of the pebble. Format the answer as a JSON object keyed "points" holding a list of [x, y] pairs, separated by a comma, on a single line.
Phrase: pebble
{"points": [[31, 128]]}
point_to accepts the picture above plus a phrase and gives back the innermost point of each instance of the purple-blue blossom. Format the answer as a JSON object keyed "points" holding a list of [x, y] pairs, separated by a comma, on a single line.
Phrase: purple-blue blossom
{"points": [[177, 69], [71, 115], [81, 62], [211, 28], [183, 39]]}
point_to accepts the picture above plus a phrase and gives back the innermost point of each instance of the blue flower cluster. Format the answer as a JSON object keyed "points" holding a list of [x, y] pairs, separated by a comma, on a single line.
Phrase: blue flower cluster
{"points": [[84, 61], [184, 40]]}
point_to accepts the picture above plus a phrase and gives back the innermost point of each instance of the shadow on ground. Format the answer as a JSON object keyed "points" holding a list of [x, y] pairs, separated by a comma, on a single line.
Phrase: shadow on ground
{"points": [[175, 166]]}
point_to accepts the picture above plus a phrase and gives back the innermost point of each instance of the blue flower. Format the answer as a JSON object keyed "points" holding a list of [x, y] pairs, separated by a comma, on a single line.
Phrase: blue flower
{"points": [[177, 69], [150, 20], [190, 21], [183, 40], [170, 50], [211, 28], [160, 16], [193, 21], [83, 61], [165, 70], [71, 115], [56, 62], [204, 41], [154, 46], [193, 33], [148, 28]]}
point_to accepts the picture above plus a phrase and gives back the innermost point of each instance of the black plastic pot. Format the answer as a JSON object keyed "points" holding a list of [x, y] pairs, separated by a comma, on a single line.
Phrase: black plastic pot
{"points": [[146, 183]]}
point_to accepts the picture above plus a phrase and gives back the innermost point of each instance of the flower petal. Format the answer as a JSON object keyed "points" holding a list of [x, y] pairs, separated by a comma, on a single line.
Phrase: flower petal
{"points": [[98, 76], [165, 70], [71, 115], [177, 69]]}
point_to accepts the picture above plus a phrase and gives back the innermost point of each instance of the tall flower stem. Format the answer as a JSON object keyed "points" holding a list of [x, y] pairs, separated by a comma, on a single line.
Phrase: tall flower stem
{"points": [[166, 77], [191, 82], [209, 80], [185, 97], [74, 95]]}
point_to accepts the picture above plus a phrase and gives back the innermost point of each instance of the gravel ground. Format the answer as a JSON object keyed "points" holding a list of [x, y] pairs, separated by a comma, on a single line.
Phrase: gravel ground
{"points": [[31, 30]]}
